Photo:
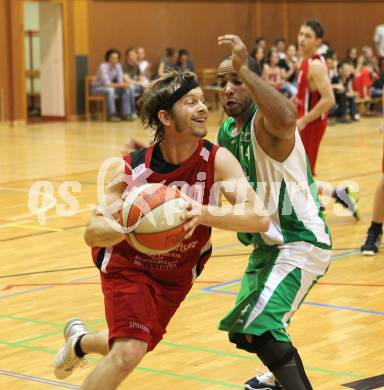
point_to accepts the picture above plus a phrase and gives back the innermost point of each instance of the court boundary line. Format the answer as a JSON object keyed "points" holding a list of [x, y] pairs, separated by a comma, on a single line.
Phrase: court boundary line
{"points": [[188, 347], [37, 379], [348, 252], [210, 289], [235, 282], [144, 369]]}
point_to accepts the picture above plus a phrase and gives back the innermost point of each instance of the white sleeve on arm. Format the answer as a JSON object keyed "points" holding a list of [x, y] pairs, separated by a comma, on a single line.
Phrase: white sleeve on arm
{"points": [[376, 37]]}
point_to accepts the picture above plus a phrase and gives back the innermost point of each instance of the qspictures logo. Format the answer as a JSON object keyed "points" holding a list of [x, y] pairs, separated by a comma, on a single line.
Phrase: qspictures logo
{"points": [[295, 197]]}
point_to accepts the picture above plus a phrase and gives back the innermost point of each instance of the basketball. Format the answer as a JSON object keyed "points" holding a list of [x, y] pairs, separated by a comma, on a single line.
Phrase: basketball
{"points": [[153, 214]]}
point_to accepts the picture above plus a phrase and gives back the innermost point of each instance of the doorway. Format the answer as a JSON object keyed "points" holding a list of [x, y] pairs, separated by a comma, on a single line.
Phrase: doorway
{"points": [[44, 61]]}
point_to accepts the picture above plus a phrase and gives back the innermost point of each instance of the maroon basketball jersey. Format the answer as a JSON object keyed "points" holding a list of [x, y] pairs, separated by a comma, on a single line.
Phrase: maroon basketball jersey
{"points": [[182, 265], [305, 98]]}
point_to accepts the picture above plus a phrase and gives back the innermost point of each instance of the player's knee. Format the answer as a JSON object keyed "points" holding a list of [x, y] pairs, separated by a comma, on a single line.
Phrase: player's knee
{"points": [[274, 353], [127, 354], [241, 342], [250, 343], [271, 352]]}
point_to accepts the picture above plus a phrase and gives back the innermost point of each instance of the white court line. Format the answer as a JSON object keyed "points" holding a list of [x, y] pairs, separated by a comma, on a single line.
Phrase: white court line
{"points": [[42, 210], [34, 227], [5, 225], [83, 210], [23, 216], [36, 162], [102, 144], [12, 224]]}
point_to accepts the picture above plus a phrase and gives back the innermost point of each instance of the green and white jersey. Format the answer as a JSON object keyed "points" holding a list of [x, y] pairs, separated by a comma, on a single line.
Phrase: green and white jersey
{"points": [[288, 192]]}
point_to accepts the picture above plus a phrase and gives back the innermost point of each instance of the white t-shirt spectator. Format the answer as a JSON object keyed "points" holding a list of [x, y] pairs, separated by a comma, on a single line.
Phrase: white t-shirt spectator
{"points": [[143, 66], [379, 39]]}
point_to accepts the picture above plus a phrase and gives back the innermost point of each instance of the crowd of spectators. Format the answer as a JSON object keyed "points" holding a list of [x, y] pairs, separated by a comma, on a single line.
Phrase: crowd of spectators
{"points": [[127, 78], [356, 77]]}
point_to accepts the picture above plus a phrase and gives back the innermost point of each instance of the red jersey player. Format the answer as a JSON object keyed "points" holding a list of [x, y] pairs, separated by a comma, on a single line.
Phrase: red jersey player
{"points": [[313, 100], [142, 292], [375, 232]]}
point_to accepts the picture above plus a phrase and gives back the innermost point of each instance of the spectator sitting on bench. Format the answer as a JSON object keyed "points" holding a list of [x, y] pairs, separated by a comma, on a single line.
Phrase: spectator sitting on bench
{"points": [[289, 66], [372, 62], [109, 81], [184, 62], [271, 72], [167, 63], [345, 96], [352, 57], [280, 46], [144, 65], [132, 72], [259, 55], [362, 83]]}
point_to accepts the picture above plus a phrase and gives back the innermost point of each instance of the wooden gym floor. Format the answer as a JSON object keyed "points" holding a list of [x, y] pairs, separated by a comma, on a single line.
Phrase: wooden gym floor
{"points": [[47, 276]]}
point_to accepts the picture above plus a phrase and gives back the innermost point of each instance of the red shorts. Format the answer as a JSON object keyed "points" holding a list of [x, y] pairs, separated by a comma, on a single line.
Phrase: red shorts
{"points": [[138, 307], [311, 136]]}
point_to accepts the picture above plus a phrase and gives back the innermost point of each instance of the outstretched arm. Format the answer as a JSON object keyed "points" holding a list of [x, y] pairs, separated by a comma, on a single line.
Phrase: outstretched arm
{"points": [[279, 112], [245, 212]]}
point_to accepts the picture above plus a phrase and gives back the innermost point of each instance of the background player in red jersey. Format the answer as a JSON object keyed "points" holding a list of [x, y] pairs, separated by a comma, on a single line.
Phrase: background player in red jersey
{"points": [[142, 292], [375, 231], [313, 100]]}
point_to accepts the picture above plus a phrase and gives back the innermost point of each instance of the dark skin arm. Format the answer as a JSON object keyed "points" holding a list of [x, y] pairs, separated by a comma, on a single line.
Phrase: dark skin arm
{"points": [[276, 118]]}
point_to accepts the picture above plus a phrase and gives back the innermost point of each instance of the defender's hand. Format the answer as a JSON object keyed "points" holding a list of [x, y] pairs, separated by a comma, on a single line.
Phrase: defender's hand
{"points": [[239, 50]]}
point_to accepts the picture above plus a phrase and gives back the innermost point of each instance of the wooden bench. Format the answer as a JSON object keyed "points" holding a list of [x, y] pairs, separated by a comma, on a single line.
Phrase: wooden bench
{"points": [[207, 81], [91, 99], [363, 104]]}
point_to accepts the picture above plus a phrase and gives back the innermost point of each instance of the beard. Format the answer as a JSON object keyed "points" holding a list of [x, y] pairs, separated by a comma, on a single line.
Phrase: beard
{"points": [[193, 128]]}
